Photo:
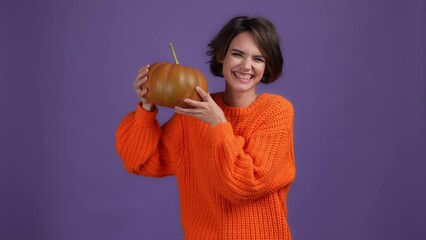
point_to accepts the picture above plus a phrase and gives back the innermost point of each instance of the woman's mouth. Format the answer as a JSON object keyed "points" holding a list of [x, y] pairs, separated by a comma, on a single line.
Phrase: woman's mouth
{"points": [[242, 76]]}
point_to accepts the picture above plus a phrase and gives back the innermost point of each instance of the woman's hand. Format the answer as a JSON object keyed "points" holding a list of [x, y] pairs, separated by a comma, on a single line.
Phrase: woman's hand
{"points": [[141, 78], [207, 110]]}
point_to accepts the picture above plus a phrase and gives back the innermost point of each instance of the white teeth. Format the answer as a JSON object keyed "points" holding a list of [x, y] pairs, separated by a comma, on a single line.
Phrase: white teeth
{"points": [[243, 76]]}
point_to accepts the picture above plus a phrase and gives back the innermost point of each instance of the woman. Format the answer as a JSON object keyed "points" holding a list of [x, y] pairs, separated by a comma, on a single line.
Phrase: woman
{"points": [[232, 152]]}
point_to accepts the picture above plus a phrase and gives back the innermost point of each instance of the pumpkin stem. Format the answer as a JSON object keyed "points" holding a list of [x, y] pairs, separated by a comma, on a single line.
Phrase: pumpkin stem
{"points": [[174, 53]]}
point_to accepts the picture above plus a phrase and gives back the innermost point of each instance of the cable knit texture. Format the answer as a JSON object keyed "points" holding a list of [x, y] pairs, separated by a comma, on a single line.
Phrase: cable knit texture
{"points": [[233, 178]]}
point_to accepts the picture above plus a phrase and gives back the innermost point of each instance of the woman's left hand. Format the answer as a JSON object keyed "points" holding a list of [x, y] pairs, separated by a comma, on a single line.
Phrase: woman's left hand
{"points": [[207, 110]]}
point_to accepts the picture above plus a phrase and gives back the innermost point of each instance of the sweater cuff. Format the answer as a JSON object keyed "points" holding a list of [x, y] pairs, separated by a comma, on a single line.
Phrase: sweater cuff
{"points": [[144, 116]]}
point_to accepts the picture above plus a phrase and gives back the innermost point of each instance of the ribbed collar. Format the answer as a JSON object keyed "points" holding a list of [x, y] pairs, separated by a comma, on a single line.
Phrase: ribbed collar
{"points": [[239, 111]]}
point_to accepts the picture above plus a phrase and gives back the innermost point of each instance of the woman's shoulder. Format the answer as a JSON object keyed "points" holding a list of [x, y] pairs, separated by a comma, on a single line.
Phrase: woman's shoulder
{"points": [[216, 95], [276, 102]]}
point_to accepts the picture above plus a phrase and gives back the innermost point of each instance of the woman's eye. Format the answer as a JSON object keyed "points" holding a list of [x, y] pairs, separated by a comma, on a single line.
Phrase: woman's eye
{"points": [[237, 54], [259, 60]]}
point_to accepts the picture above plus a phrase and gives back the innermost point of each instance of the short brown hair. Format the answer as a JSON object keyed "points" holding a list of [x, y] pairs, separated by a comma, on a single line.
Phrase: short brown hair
{"points": [[266, 36]]}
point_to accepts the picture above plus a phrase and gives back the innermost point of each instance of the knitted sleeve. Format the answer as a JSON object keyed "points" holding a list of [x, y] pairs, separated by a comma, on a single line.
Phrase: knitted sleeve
{"points": [[247, 169], [146, 148]]}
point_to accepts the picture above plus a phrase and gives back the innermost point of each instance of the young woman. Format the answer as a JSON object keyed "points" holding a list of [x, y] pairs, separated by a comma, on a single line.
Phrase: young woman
{"points": [[232, 152]]}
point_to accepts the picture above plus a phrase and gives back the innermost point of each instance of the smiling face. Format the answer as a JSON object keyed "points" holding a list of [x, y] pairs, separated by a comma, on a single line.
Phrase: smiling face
{"points": [[243, 65]]}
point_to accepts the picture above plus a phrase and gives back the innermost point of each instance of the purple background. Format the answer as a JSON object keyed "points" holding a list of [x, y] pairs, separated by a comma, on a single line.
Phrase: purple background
{"points": [[355, 72]]}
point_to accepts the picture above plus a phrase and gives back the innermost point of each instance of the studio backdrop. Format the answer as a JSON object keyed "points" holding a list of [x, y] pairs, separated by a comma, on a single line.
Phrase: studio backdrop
{"points": [[354, 71]]}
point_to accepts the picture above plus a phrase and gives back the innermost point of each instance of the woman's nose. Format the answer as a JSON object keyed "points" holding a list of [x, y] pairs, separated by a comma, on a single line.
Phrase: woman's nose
{"points": [[246, 63]]}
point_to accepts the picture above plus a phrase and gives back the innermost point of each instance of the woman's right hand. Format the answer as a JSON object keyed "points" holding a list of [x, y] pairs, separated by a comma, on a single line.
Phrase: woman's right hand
{"points": [[141, 78]]}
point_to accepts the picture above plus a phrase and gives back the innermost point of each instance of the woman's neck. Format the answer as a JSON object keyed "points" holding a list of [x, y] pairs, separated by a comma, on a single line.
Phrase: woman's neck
{"points": [[239, 99]]}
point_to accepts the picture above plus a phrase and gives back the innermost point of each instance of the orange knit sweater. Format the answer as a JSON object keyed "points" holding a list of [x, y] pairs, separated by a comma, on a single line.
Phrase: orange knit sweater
{"points": [[233, 178]]}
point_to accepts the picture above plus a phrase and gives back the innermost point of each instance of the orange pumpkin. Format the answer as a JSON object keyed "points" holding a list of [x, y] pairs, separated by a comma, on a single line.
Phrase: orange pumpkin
{"points": [[169, 84]]}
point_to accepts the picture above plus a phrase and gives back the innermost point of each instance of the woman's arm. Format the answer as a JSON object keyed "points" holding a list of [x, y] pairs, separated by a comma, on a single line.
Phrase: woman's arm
{"points": [[247, 169], [146, 148]]}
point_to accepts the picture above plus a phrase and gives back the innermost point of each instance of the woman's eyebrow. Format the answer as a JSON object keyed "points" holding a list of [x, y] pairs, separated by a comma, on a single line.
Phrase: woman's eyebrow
{"points": [[237, 50]]}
